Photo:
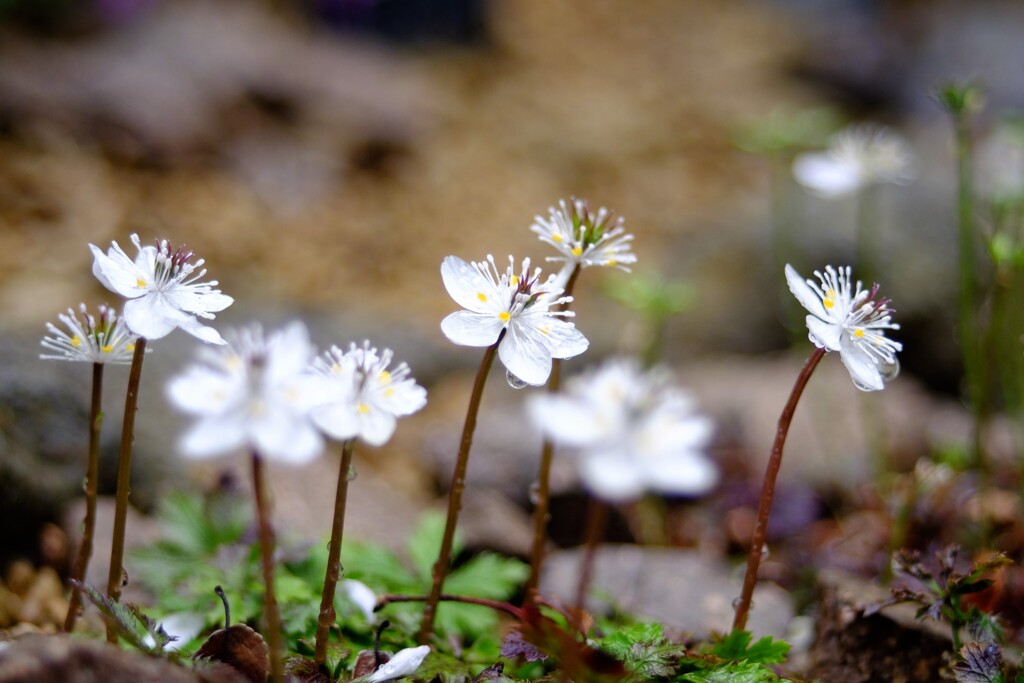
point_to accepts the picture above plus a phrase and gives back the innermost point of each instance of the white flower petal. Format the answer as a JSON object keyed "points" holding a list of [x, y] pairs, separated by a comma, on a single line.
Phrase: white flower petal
{"points": [[682, 475], [152, 318], [468, 328], [117, 273], [362, 596], [612, 477], [213, 436], [863, 370], [825, 175], [824, 335], [564, 340], [570, 422], [201, 390], [465, 284], [200, 331], [278, 435], [404, 663], [338, 420], [376, 427], [525, 355], [198, 300], [804, 294]]}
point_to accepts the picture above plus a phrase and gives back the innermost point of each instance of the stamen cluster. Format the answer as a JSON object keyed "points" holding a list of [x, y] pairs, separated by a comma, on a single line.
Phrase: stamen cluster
{"points": [[103, 338]]}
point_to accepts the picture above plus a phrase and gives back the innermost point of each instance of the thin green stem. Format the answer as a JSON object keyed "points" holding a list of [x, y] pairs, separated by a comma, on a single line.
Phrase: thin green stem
{"points": [[597, 521], [92, 471], [270, 611], [541, 511], [764, 510], [455, 494], [326, 618], [124, 481], [967, 298]]}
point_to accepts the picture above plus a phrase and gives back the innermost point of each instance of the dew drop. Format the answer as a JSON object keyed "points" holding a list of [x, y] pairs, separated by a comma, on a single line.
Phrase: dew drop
{"points": [[124, 577], [351, 474], [535, 492], [765, 552], [514, 381], [890, 371]]}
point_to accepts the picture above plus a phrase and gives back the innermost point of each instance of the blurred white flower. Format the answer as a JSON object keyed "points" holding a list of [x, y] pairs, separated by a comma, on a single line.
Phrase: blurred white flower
{"points": [[102, 338], [583, 238], [362, 596], [517, 303], [182, 627], [161, 288], [634, 432], [367, 398], [253, 393], [404, 663], [859, 156], [851, 320]]}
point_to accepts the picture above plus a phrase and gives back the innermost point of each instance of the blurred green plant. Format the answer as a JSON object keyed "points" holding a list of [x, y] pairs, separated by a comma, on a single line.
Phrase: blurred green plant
{"points": [[657, 299]]}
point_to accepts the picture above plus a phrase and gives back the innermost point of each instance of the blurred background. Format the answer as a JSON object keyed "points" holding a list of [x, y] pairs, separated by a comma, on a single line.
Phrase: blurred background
{"points": [[324, 156]]}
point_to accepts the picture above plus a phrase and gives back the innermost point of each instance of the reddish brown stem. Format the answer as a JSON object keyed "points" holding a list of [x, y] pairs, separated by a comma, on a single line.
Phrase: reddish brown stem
{"points": [[455, 494], [91, 477], [764, 509], [270, 610], [541, 512], [115, 578], [505, 607], [597, 520], [326, 618]]}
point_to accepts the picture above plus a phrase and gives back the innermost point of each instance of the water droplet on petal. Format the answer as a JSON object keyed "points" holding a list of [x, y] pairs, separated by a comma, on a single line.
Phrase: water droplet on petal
{"points": [[890, 370], [514, 381]]}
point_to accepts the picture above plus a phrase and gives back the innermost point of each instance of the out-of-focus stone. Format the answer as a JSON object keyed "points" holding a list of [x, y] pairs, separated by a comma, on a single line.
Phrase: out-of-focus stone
{"points": [[682, 589]]}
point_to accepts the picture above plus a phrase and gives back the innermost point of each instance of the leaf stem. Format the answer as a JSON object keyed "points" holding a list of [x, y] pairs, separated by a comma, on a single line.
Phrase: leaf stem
{"points": [[455, 493], [91, 484], [327, 614], [124, 481], [270, 610], [764, 509], [506, 607]]}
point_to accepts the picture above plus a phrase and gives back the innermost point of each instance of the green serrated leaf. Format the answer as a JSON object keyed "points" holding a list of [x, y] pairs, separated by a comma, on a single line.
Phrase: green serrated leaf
{"points": [[736, 646], [425, 542], [488, 575], [744, 672], [131, 624]]}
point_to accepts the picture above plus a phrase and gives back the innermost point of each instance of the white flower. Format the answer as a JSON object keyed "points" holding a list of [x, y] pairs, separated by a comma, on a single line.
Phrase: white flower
{"points": [[161, 288], [182, 627], [362, 596], [850, 320], [404, 663], [367, 398], [634, 432], [857, 157], [255, 393], [93, 339], [585, 239], [518, 304]]}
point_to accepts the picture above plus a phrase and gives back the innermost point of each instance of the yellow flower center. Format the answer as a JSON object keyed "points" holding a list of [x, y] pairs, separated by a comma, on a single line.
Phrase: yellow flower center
{"points": [[107, 349], [336, 369], [389, 392], [130, 347], [859, 333], [76, 341], [363, 409], [576, 251], [139, 282], [830, 299], [481, 296], [384, 377], [612, 262], [556, 238], [504, 316]]}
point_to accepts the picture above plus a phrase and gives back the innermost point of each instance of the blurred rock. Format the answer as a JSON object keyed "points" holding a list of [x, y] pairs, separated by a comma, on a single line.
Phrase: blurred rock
{"points": [[59, 659], [682, 589]]}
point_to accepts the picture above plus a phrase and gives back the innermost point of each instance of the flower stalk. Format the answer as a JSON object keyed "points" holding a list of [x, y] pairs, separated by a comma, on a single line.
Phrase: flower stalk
{"points": [[91, 485], [327, 613], [768, 490], [455, 494], [270, 609], [124, 474]]}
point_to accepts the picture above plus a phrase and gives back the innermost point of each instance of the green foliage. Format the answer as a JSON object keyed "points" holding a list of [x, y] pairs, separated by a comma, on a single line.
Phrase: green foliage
{"points": [[136, 628], [736, 646], [738, 672], [644, 650], [785, 131]]}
